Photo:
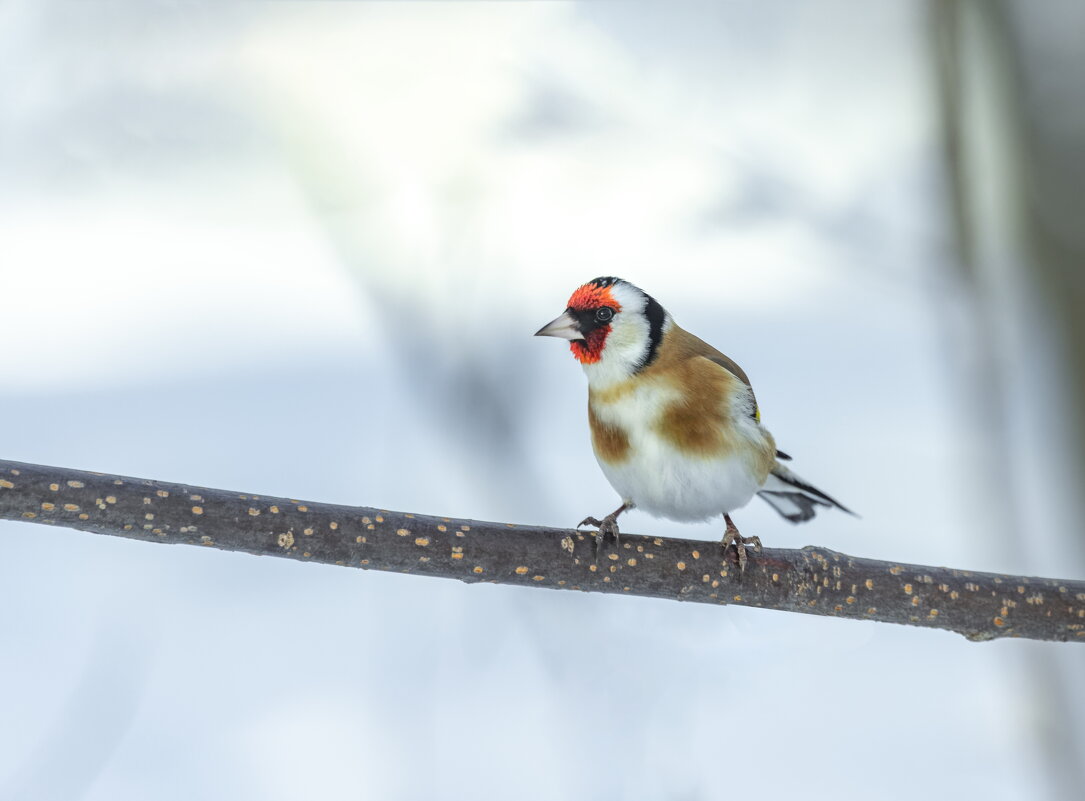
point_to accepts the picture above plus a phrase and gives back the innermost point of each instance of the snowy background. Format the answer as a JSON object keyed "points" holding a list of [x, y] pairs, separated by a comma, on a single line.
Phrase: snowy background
{"points": [[301, 249]]}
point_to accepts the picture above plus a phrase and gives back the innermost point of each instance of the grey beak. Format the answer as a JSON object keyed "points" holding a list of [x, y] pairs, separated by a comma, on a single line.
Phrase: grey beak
{"points": [[564, 327]]}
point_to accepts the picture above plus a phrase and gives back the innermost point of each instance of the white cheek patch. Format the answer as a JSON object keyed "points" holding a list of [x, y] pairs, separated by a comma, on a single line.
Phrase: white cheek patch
{"points": [[626, 345]]}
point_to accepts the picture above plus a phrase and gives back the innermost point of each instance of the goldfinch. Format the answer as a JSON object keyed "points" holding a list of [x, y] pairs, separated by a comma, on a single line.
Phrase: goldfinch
{"points": [[674, 423]]}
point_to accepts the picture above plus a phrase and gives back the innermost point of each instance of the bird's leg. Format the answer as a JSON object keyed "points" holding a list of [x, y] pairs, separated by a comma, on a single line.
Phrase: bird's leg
{"points": [[731, 535], [607, 526]]}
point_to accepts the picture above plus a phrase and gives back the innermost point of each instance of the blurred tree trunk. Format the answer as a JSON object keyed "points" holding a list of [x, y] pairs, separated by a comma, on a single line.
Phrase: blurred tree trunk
{"points": [[1011, 81]]}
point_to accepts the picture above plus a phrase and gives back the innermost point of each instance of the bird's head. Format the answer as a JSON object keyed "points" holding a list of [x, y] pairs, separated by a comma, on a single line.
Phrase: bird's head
{"points": [[613, 328]]}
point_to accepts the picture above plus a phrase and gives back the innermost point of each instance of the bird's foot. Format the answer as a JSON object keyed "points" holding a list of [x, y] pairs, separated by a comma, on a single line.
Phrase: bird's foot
{"points": [[607, 527], [732, 537]]}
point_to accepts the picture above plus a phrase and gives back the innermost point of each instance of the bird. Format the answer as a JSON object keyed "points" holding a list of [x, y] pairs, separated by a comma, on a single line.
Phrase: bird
{"points": [[675, 424]]}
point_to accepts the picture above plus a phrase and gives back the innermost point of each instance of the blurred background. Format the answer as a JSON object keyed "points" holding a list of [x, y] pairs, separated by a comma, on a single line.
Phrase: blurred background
{"points": [[300, 249]]}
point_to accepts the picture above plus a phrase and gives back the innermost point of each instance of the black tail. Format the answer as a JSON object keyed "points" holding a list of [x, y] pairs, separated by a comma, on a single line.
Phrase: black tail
{"points": [[793, 498]]}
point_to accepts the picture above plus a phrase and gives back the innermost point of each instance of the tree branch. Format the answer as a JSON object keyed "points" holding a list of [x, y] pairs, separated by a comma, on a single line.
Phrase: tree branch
{"points": [[981, 606]]}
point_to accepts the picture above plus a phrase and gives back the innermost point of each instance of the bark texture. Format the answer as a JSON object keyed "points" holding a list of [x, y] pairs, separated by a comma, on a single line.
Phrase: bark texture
{"points": [[981, 606]]}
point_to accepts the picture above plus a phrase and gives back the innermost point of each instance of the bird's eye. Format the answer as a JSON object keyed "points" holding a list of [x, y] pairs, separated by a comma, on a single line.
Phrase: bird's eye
{"points": [[604, 314]]}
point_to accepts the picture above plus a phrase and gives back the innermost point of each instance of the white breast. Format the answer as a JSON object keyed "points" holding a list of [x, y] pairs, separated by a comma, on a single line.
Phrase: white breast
{"points": [[661, 480]]}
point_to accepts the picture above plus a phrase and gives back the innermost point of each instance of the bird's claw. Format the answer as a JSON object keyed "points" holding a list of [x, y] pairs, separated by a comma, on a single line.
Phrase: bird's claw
{"points": [[607, 527], [732, 537]]}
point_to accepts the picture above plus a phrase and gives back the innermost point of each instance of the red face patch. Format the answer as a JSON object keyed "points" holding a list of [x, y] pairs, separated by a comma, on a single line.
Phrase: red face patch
{"points": [[583, 303], [590, 349], [592, 296]]}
